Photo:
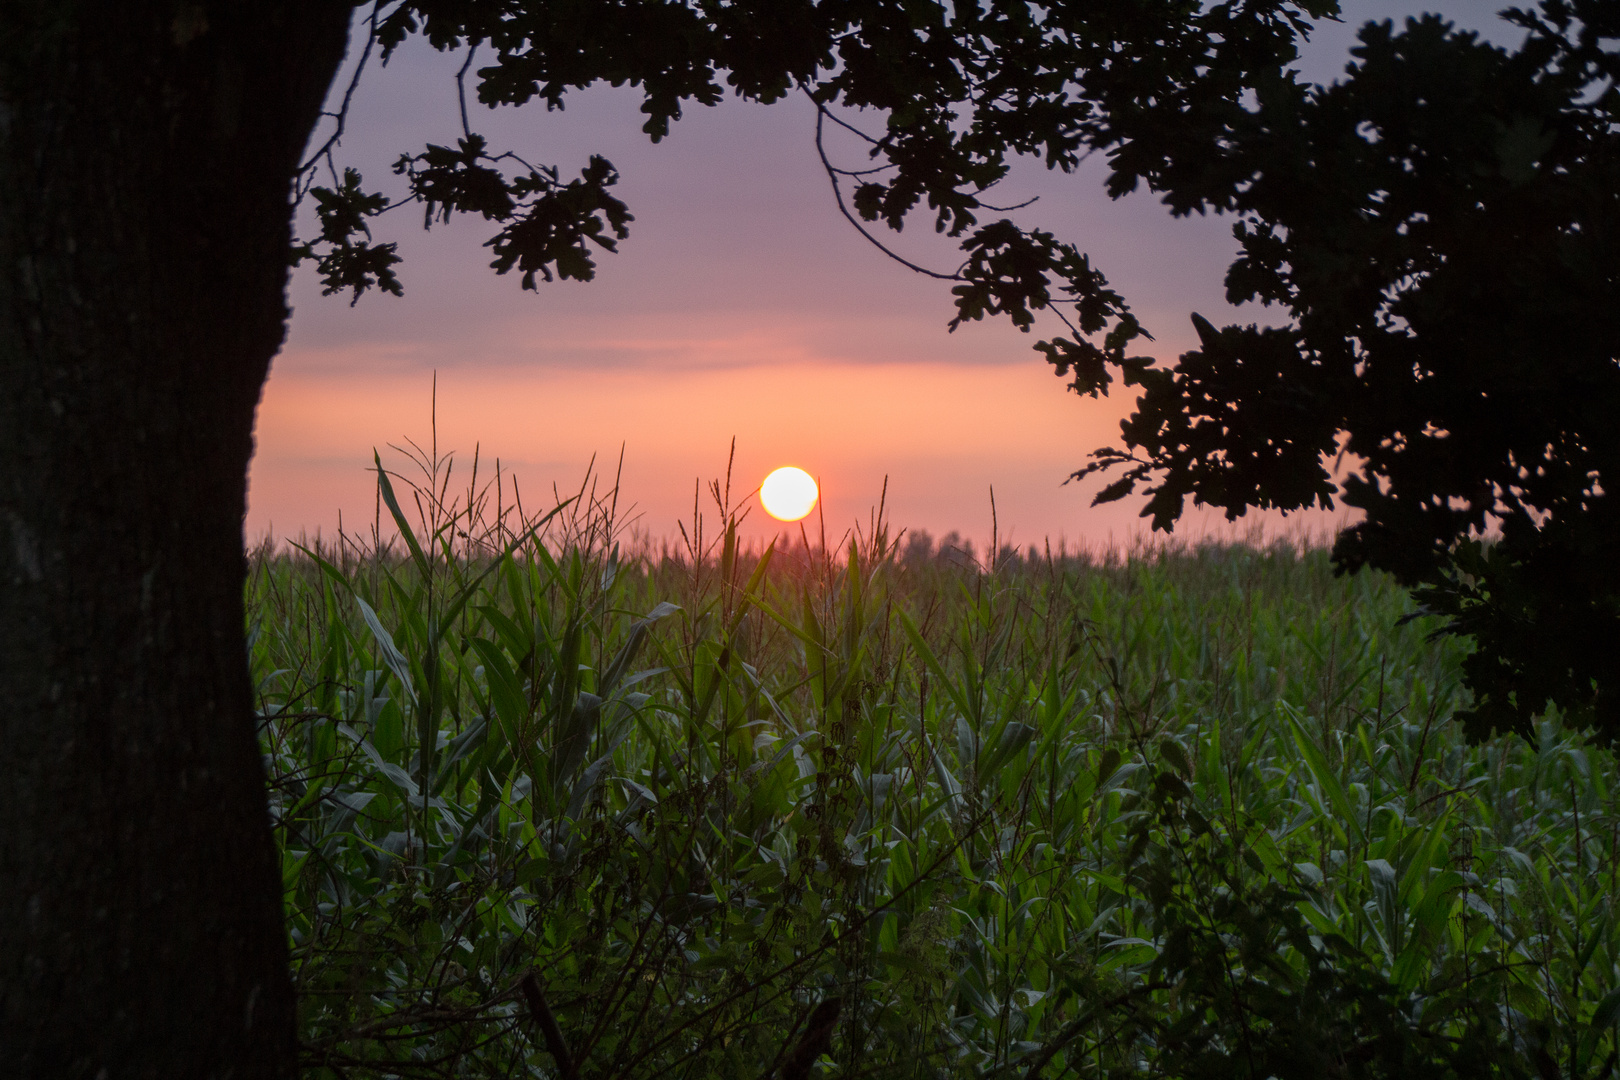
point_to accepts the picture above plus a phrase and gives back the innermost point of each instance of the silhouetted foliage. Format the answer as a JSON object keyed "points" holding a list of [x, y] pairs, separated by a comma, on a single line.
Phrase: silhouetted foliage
{"points": [[963, 89], [1441, 228]]}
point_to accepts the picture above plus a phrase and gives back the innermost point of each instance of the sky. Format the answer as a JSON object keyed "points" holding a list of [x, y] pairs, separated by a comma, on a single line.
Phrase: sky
{"points": [[742, 307]]}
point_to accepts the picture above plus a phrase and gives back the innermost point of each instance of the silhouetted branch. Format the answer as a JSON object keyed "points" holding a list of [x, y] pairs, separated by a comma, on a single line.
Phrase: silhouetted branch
{"points": [[813, 1043], [547, 1023]]}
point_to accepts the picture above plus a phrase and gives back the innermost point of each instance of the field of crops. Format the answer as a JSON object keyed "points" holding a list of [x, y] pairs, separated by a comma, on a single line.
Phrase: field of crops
{"points": [[863, 809]]}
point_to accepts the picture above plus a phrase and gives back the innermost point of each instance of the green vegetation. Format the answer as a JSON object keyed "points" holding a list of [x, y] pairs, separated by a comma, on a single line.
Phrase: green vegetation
{"points": [[546, 808]]}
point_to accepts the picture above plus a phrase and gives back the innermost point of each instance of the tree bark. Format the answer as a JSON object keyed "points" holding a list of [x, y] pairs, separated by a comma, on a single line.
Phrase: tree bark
{"points": [[146, 150]]}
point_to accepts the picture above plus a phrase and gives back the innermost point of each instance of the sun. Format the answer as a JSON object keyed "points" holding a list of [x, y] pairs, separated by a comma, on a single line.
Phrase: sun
{"points": [[788, 493]]}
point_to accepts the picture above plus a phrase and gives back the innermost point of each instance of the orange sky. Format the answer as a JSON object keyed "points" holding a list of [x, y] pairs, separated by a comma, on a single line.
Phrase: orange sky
{"points": [[942, 434]]}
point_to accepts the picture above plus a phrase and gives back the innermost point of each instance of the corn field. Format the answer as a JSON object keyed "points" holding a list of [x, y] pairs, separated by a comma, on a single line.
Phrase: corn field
{"points": [[553, 805]]}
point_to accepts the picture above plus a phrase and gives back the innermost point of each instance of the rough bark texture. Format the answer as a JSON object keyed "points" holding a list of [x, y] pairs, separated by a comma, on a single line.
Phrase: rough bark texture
{"points": [[145, 155]]}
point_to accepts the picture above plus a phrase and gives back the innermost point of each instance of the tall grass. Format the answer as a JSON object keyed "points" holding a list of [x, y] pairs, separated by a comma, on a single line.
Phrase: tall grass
{"points": [[548, 807]]}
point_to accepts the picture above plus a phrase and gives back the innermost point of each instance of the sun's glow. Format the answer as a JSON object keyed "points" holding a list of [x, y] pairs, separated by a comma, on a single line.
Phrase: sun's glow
{"points": [[788, 494]]}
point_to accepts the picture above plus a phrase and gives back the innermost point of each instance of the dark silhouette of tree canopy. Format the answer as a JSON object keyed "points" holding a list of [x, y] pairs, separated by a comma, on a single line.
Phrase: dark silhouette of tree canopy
{"points": [[1440, 229]]}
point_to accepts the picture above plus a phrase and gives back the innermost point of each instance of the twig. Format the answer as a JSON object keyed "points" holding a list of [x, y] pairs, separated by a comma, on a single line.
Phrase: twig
{"points": [[342, 115], [461, 88], [838, 194], [547, 1023], [813, 1043]]}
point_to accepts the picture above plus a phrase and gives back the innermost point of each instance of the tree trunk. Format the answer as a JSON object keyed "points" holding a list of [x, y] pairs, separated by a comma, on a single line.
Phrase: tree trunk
{"points": [[146, 149]]}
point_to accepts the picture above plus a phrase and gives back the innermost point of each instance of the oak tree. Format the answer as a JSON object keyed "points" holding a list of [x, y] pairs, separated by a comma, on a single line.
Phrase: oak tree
{"points": [[148, 149], [149, 154]]}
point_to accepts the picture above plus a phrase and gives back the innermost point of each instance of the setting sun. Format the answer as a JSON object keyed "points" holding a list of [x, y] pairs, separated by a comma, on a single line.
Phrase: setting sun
{"points": [[788, 493]]}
